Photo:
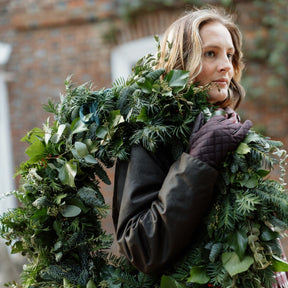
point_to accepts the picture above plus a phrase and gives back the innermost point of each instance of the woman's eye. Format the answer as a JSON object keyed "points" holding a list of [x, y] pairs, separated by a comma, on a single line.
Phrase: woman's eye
{"points": [[209, 54], [230, 56]]}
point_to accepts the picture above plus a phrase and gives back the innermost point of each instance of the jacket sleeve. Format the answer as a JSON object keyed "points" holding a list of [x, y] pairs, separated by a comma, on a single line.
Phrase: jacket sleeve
{"points": [[159, 210]]}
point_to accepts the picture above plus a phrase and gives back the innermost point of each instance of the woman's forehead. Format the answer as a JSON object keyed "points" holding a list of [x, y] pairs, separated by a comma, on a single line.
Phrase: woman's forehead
{"points": [[215, 34]]}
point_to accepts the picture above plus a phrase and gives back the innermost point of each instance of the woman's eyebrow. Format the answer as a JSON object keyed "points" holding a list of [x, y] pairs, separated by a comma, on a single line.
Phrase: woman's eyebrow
{"points": [[213, 46]]}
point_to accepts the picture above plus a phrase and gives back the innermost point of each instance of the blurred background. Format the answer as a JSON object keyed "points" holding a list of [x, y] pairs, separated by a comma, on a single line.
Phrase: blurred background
{"points": [[43, 42]]}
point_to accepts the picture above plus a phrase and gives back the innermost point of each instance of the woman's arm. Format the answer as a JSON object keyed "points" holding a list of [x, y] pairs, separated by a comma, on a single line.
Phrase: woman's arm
{"points": [[159, 212]]}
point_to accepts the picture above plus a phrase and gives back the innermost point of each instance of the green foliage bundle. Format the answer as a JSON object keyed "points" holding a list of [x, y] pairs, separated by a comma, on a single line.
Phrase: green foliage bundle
{"points": [[58, 226]]}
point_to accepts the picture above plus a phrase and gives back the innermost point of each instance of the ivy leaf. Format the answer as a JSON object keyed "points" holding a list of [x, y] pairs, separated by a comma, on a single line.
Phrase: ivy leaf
{"points": [[238, 241], [116, 118], [78, 126], [36, 150], [68, 172], [70, 211], [250, 183], [81, 149], [101, 132], [198, 275], [169, 282], [234, 265]]}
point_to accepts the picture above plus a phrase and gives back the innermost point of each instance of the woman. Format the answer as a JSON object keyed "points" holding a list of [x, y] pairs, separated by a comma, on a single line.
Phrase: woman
{"points": [[159, 203]]}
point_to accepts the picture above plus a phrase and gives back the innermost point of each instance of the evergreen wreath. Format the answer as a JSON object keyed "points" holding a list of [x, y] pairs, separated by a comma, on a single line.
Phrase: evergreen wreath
{"points": [[58, 225]]}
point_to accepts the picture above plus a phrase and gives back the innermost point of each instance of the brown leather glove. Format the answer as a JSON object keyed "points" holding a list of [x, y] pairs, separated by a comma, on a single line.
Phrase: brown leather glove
{"points": [[211, 142]]}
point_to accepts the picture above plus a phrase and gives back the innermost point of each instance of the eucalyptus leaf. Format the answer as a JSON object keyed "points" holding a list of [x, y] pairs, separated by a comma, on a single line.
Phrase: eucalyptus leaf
{"points": [[68, 172], [91, 284], [90, 159], [70, 211]]}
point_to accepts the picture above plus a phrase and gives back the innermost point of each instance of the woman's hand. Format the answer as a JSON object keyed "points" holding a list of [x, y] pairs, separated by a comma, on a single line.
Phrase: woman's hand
{"points": [[211, 142]]}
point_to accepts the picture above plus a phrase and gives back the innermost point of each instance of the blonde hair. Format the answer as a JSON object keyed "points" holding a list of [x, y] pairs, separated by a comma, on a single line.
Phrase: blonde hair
{"points": [[185, 52]]}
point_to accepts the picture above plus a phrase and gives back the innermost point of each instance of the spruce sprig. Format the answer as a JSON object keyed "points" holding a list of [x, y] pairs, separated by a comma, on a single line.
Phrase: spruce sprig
{"points": [[62, 203]]}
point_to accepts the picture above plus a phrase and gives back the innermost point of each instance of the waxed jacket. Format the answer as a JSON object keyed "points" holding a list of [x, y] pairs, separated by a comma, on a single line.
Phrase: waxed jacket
{"points": [[158, 206]]}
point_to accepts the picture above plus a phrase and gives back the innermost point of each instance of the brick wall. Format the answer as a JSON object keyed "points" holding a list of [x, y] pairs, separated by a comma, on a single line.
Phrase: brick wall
{"points": [[53, 39]]}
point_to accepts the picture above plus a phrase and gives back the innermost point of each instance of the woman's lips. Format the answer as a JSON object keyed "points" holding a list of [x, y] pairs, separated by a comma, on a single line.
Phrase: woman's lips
{"points": [[221, 82]]}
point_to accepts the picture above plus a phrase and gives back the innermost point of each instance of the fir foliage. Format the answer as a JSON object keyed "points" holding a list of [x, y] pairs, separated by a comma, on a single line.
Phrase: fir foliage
{"points": [[58, 226]]}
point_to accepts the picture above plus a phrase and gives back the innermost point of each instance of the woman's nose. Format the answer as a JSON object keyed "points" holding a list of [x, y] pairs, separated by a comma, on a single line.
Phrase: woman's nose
{"points": [[225, 64]]}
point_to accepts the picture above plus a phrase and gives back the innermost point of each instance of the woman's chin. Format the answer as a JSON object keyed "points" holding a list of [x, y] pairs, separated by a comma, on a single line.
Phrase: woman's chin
{"points": [[217, 97]]}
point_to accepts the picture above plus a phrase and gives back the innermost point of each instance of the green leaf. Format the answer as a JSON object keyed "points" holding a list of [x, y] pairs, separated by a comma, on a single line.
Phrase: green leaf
{"points": [[58, 256], [143, 116], [268, 235], [262, 173], [90, 159], [17, 247], [115, 118], [36, 151], [57, 136], [41, 202], [145, 86], [238, 241], [177, 78], [91, 284], [101, 132], [81, 149], [234, 265], [58, 198], [279, 265], [252, 182], [169, 282], [198, 275], [243, 149], [68, 172], [78, 126], [67, 284], [70, 211]]}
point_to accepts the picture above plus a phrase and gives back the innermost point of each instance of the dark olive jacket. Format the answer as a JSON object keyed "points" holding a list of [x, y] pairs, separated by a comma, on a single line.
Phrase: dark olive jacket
{"points": [[158, 206]]}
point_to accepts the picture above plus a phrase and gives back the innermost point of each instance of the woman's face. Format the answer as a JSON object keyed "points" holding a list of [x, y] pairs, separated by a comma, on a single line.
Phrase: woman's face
{"points": [[217, 55]]}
